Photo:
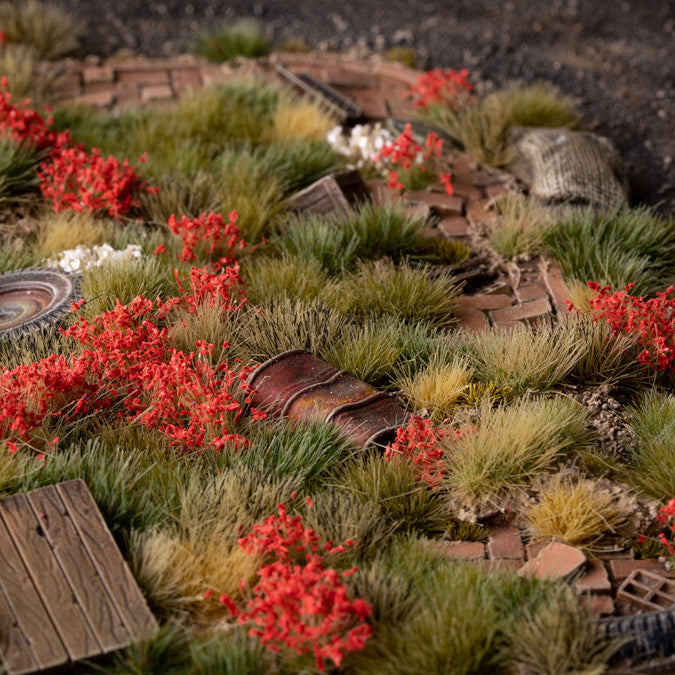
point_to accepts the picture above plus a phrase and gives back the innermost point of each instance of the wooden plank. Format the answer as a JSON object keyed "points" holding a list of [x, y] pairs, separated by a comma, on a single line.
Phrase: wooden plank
{"points": [[52, 585], [27, 606], [15, 651], [78, 568], [107, 559]]}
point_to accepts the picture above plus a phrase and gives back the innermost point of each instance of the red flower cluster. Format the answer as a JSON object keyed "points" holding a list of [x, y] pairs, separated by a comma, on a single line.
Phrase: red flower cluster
{"points": [[444, 87], [419, 444], [127, 363], [23, 124], [303, 607], [406, 152], [651, 321], [85, 181], [71, 177], [667, 517], [221, 238]]}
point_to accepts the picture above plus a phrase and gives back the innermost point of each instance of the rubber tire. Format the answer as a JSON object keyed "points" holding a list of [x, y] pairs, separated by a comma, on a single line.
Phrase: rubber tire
{"points": [[59, 288], [650, 635]]}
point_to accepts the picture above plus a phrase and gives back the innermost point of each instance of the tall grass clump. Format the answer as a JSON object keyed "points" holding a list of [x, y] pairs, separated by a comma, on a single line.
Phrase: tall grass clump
{"points": [[437, 387], [538, 105], [557, 636], [575, 512], [370, 350], [482, 127], [525, 359], [25, 79], [295, 119], [521, 226], [394, 488], [181, 195], [605, 358], [310, 452], [653, 464], [176, 564], [405, 292], [244, 37], [282, 324], [628, 246], [513, 445], [67, 230], [52, 32], [313, 237], [275, 278], [18, 171]]}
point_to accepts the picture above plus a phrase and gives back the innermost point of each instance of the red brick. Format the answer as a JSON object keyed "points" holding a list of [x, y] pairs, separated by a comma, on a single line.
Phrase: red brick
{"points": [[471, 320], [505, 542], [534, 548], [398, 107], [499, 565], [530, 291], [454, 226], [620, 569], [466, 191], [443, 204], [509, 326], [556, 561], [68, 84], [618, 554], [602, 605], [465, 550], [157, 92], [354, 77], [478, 213], [594, 579], [214, 75], [398, 72], [484, 302], [98, 74], [553, 279], [183, 80], [371, 101], [103, 99], [526, 311], [147, 77]]}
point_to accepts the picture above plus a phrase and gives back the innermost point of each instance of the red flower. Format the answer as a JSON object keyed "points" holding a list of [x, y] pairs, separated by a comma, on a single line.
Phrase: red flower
{"points": [[449, 87]]}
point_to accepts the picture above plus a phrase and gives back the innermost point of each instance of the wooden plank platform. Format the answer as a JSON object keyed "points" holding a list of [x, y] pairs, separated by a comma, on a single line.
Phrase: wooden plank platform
{"points": [[66, 593]]}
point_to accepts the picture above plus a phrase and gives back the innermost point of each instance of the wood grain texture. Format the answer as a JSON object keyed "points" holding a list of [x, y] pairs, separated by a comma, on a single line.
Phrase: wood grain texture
{"points": [[87, 587], [15, 651], [27, 608], [106, 557], [50, 581]]}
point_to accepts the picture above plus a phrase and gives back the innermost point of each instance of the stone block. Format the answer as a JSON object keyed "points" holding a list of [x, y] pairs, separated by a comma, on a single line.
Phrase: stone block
{"points": [[484, 302], [471, 320], [505, 542], [454, 226], [464, 550]]}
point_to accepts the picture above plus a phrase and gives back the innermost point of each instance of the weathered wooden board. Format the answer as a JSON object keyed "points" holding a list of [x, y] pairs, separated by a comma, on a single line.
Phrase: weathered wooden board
{"points": [[65, 591], [338, 191]]}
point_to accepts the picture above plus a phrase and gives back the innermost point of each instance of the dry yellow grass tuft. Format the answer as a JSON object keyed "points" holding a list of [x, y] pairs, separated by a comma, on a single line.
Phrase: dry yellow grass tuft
{"points": [[437, 387], [300, 119], [67, 230], [575, 512]]}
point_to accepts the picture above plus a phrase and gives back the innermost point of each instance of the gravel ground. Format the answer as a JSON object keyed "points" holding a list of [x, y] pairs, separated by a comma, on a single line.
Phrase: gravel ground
{"points": [[616, 57]]}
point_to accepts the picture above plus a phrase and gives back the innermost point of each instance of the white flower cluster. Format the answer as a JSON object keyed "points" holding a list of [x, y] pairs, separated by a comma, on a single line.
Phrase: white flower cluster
{"points": [[83, 258], [361, 145]]}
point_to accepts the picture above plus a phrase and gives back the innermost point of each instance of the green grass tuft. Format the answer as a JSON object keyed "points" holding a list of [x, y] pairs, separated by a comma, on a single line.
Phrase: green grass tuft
{"points": [[653, 465], [525, 359], [49, 30], [18, 171], [405, 292], [514, 444], [283, 324], [243, 37], [402, 499], [621, 247], [538, 105]]}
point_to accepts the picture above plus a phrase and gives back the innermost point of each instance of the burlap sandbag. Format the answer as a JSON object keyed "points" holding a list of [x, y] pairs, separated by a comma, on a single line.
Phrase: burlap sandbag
{"points": [[573, 167]]}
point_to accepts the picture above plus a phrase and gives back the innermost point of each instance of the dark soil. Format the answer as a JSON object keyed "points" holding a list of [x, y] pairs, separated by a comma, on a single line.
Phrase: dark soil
{"points": [[615, 56]]}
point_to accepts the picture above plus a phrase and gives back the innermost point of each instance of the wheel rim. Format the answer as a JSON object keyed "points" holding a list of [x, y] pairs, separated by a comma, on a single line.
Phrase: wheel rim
{"points": [[24, 301]]}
